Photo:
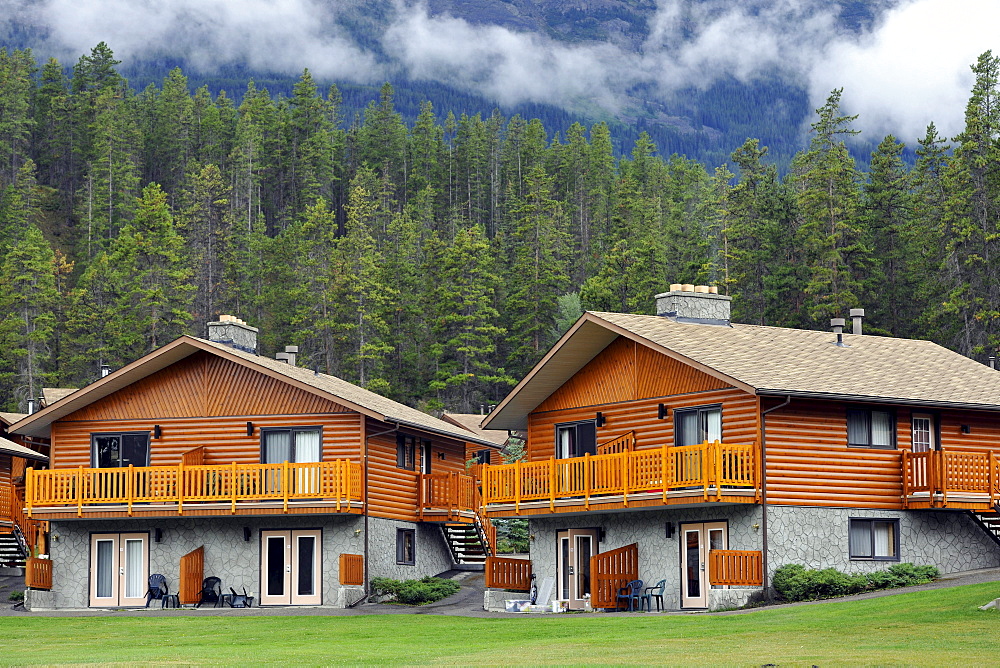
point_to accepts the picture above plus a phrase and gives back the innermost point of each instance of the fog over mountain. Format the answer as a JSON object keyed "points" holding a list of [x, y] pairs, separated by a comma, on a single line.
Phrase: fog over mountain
{"points": [[903, 63]]}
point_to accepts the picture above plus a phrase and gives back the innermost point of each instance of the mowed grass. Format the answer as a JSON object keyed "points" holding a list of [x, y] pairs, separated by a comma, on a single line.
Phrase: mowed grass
{"points": [[931, 628]]}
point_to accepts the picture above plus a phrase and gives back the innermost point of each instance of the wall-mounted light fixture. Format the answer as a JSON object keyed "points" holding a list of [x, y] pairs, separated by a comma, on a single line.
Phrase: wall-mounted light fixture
{"points": [[157, 432], [246, 534], [661, 411], [249, 428], [600, 419], [157, 535], [966, 429], [669, 530], [440, 455]]}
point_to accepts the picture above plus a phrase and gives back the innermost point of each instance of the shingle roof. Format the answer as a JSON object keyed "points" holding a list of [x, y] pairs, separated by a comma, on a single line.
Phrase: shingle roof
{"points": [[12, 448], [11, 418], [471, 422], [54, 394], [776, 360]]}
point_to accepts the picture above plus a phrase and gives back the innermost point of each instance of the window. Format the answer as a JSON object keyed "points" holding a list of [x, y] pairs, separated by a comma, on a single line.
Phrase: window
{"points": [[482, 456], [299, 444], [870, 429], [405, 546], [697, 425], [406, 451], [874, 539], [576, 439], [121, 449], [425, 457]]}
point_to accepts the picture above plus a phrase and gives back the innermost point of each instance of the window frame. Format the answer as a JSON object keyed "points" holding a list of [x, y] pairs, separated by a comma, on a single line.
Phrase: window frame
{"points": [[407, 447], [867, 412], [575, 450], [93, 445], [702, 412], [291, 441], [482, 456], [894, 521], [401, 536]]}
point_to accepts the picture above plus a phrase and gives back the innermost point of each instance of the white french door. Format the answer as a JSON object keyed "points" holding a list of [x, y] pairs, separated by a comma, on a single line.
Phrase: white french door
{"points": [[290, 567], [119, 569], [576, 547], [696, 542], [924, 432]]}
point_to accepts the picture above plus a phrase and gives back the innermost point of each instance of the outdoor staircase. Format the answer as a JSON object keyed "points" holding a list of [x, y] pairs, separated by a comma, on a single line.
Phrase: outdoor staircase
{"points": [[468, 544], [12, 550], [989, 520]]}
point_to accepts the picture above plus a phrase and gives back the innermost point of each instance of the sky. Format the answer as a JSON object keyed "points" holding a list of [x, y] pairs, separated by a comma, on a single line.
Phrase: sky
{"points": [[909, 69]]}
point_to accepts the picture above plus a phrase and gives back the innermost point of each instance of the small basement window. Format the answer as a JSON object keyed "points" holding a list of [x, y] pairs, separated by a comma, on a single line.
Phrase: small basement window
{"points": [[874, 539], [406, 544]]}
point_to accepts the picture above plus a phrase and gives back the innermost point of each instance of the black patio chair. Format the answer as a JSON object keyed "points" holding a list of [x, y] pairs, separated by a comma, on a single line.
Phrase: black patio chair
{"points": [[656, 591], [157, 588], [240, 600], [211, 591], [631, 594]]}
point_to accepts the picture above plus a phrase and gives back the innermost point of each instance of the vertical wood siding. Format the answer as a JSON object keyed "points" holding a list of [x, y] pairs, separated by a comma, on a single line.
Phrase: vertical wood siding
{"points": [[626, 371]]}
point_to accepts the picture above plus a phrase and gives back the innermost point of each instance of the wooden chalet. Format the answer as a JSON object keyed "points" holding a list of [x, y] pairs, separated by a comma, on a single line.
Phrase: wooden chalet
{"points": [[706, 453], [19, 534], [252, 468]]}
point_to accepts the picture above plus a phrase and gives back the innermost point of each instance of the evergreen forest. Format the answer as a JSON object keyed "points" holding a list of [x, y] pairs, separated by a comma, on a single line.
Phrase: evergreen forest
{"points": [[435, 261]]}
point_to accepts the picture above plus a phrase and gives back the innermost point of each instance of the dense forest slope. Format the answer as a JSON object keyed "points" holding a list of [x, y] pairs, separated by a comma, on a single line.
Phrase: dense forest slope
{"points": [[435, 260]]}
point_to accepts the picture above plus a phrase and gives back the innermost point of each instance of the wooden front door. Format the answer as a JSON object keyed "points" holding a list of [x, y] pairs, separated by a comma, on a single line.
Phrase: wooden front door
{"points": [[924, 432], [575, 548], [696, 541], [119, 569], [290, 567]]}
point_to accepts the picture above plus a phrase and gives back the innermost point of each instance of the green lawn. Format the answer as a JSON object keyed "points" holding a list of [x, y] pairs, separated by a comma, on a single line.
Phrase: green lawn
{"points": [[933, 628]]}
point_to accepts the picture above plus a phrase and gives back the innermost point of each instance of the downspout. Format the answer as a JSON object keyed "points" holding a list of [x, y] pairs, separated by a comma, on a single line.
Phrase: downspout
{"points": [[367, 591], [763, 485]]}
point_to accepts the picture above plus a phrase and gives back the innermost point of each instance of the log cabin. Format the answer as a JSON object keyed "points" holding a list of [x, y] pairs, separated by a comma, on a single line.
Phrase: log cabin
{"points": [[686, 448], [19, 535], [204, 458]]}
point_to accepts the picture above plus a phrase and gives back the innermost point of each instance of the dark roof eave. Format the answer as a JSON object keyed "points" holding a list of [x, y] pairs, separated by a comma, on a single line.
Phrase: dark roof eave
{"points": [[774, 392], [461, 438]]}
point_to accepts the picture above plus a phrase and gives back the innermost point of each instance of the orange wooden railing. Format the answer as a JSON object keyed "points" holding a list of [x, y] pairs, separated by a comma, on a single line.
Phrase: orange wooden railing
{"points": [[708, 466], [338, 480], [13, 516], [454, 492], [738, 568], [610, 571], [192, 576], [506, 573], [194, 456], [352, 569], [938, 473], [6, 504], [38, 573], [624, 443]]}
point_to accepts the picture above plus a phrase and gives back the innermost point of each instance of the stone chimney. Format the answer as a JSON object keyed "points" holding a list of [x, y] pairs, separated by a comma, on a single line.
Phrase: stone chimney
{"points": [[700, 304], [233, 332]]}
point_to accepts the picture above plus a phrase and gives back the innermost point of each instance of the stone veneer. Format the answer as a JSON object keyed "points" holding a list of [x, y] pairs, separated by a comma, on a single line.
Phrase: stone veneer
{"points": [[818, 538], [659, 556], [237, 561]]}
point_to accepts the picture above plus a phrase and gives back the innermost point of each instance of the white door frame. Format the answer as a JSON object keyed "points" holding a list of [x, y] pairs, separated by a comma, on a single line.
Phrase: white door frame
{"points": [[575, 547], [128, 573], [696, 540], [289, 544]]}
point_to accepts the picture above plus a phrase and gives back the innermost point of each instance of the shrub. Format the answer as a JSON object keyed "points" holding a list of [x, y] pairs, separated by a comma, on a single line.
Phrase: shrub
{"points": [[793, 582], [16, 596], [415, 592]]}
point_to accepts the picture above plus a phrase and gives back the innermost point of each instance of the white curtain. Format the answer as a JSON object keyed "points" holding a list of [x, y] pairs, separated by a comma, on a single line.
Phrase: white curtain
{"points": [[861, 538], [713, 427], [565, 442], [687, 422], [881, 429], [885, 539], [105, 568], [277, 447], [307, 446], [134, 586]]}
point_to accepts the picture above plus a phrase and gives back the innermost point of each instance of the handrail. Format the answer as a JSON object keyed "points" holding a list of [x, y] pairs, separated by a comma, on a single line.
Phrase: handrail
{"points": [[739, 568], [624, 443], [452, 492], [933, 475], [180, 484], [708, 466]]}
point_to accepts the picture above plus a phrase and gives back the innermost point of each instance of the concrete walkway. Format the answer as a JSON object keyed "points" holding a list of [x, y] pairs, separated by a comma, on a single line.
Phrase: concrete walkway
{"points": [[467, 602]]}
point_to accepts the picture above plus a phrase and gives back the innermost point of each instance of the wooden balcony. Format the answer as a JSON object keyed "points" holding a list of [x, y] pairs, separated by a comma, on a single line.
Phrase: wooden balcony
{"points": [[944, 479], [448, 497], [163, 491], [689, 475]]}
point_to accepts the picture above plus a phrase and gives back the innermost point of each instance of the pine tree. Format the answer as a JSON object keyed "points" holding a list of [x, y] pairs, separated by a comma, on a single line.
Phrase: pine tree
{"points": [[16, 92]]}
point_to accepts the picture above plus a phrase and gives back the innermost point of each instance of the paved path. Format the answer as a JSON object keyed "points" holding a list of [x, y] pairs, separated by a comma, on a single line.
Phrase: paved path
{"points": [[468, 602]]}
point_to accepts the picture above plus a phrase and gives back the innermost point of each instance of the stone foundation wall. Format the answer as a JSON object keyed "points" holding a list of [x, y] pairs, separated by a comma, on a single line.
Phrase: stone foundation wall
{"points": [[659, 556], [432, 554], [818, 538]]}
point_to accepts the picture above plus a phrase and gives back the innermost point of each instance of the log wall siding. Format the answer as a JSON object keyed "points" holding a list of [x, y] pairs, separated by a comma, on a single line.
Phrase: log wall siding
{"points": [[739, 420], [205, 385], [225, 438], [626, 371], [392, 491]]}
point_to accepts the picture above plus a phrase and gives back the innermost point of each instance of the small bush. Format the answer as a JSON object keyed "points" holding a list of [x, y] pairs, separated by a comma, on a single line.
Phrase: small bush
{"points": [[16, 596], [415, 592], [793, 582]]}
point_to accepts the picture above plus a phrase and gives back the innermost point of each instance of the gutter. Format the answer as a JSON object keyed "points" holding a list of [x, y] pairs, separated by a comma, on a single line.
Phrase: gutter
{"points": [[876, 400], [763, 485]]}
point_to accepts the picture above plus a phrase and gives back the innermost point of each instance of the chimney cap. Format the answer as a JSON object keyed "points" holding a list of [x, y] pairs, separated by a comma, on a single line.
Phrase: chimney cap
{"points": [[837, 322], [857, 313], [291, 349]]}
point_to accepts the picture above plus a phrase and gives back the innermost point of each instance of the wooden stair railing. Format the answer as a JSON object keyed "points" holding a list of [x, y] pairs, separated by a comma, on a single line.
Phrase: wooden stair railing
{"points": [[624, 443]]}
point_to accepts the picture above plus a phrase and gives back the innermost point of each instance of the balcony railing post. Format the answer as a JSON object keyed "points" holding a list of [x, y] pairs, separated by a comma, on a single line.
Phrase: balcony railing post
{"points": [[904, 462], [79, 492], [129, 488], [179, 487], [663, 470], [517, 486], [338, 481], [284, 485], [232, 486], [624, 467], [552, 482], [29, 488], [587, 482]]}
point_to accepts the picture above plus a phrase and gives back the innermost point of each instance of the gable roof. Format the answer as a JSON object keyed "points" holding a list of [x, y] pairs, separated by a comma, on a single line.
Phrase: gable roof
{"points": [[11, 418], [53, 394], [336, 389], [769, 361], [470, 421], [12, 448]]}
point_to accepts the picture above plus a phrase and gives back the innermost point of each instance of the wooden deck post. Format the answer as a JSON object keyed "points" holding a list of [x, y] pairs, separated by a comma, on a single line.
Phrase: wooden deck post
{"points": [[79, 492], [517, 486], [552, 483], [587, 482], [179, 487]]}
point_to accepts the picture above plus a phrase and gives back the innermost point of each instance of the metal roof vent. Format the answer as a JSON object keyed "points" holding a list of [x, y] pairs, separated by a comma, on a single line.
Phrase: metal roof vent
{"points": [[838, 328]]}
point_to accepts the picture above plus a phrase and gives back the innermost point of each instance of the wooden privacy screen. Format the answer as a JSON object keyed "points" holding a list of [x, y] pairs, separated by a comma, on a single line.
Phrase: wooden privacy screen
{"points": [[352, 569], [506, 573], [738, 568], [192, 575], [610, 571], [38, 573]]}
